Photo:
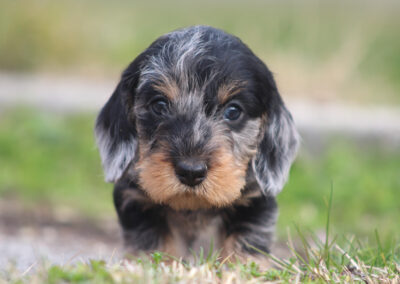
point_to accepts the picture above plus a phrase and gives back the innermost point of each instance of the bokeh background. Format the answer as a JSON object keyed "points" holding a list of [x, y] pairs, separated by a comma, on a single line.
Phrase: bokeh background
{"points": [[323, 53]]}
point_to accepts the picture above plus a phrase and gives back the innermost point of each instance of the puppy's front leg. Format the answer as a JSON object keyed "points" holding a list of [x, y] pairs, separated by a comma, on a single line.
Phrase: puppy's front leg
{"points": [[143, 223], [250, 229]]}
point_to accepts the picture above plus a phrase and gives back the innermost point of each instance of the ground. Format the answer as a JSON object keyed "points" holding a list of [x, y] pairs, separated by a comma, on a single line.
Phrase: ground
{"points": [[30, 235]]}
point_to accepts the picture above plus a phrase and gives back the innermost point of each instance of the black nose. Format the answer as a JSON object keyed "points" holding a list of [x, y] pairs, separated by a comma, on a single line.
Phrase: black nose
{"points": [[191, 172]]}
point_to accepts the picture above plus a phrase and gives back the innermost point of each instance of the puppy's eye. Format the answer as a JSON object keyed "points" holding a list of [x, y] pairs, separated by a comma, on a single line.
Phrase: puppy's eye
{"points": [[159, 107], [232, 112]]}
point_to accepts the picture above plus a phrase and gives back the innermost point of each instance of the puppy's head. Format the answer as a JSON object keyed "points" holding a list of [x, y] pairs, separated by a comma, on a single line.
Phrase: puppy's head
{"points": [[192, 117]]}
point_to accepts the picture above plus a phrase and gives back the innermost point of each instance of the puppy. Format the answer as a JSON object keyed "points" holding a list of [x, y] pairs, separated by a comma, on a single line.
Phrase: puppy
{"points": [[198, 143]]}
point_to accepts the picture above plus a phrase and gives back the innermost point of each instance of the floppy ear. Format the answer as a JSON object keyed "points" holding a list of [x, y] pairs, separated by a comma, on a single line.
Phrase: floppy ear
{"points": [[277, 149], [116, 135], [115, 130]]}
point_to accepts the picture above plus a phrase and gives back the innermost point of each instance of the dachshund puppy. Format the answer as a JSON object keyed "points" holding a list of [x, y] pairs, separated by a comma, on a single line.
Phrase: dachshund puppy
{"points": [[198, 143]]}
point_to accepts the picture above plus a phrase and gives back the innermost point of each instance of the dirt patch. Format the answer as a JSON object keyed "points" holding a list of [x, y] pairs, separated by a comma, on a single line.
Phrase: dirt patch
{"points": [[31, 235]]}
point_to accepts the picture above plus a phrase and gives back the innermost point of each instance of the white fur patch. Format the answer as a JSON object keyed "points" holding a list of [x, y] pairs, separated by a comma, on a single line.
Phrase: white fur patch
{"points": [[114, 162]]}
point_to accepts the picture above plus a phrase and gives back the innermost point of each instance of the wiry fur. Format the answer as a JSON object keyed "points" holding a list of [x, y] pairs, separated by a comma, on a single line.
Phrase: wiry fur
{"points": [[276, 153], [198, 72], [116, 161]]}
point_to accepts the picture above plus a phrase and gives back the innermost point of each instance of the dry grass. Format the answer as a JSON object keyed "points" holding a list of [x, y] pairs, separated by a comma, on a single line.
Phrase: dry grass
{"points": [[311, 266]]}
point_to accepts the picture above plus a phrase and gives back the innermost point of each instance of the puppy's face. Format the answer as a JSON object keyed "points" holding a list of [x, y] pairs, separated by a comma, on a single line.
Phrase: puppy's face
{"points": [[195, 142], [193, 116]]}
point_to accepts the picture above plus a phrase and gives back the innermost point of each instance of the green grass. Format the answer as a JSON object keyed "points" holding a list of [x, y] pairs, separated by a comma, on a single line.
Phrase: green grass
{"points": [[353, 262], [349, 49], [52, 159]]}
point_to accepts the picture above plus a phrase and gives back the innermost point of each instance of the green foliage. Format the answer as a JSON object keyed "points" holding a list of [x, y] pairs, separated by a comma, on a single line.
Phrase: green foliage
{"points": [[50, 159], [365, 185], [98, 36], [94, 272]]}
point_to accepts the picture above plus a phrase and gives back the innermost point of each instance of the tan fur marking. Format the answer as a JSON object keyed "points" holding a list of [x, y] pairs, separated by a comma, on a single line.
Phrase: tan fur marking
{"points": [[168, 87], [169, 246], [223, 184], [231, 253], [226, 91], [245, 200]]}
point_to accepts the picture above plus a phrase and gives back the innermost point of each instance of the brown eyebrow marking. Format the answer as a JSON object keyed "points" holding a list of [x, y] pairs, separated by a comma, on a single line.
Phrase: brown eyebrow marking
{"points": [[168, 87], [226, 91]]}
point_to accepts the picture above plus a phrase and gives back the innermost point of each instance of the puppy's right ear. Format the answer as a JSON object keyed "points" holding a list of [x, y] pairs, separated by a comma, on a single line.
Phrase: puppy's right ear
{"points": [[115, 130]]}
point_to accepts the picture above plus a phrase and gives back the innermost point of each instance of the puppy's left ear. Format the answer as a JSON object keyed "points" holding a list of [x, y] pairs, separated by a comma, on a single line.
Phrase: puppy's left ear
{"points": [[278, 146]]}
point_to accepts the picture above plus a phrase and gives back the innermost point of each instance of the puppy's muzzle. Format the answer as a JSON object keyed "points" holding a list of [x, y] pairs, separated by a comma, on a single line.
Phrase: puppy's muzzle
{"points": [[191, 171]]}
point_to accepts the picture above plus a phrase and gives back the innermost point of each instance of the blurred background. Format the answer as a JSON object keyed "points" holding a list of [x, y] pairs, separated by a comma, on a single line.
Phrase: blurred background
{"points": [[337, 64]]}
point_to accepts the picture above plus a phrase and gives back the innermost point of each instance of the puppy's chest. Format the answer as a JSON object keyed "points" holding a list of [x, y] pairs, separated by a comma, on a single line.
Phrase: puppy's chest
{"points": [[194, 231]]}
